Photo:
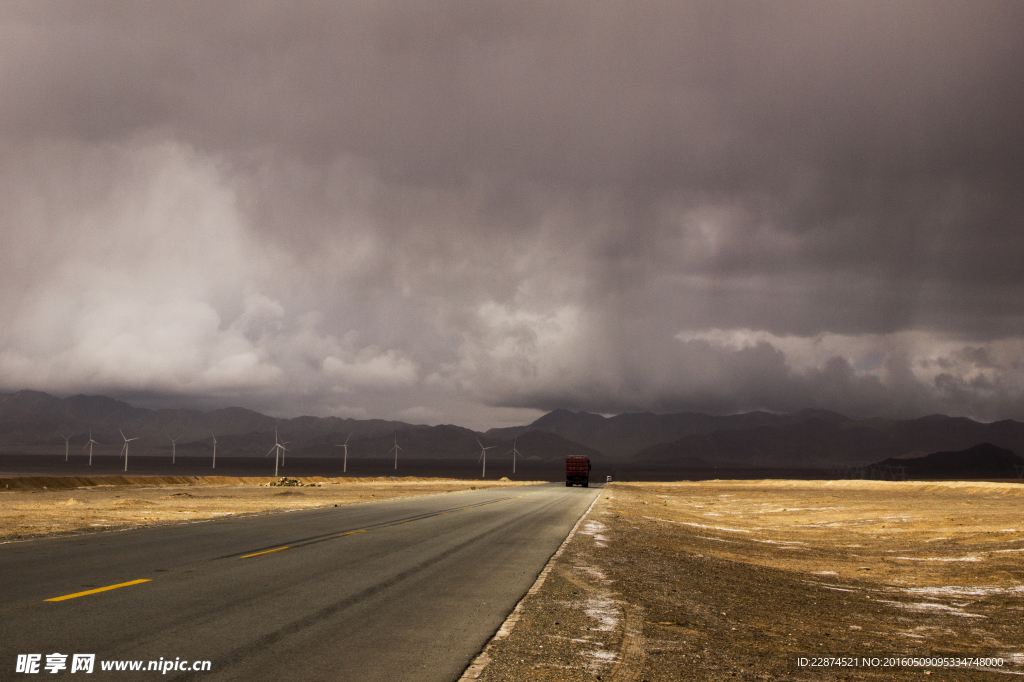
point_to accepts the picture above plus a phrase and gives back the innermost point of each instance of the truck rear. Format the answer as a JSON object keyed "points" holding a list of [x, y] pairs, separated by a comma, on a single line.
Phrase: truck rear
{"points": [[577, 471]]}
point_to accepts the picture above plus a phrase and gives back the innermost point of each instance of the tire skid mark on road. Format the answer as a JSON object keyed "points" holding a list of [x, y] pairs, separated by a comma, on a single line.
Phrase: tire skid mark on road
{"points": [[323, 537], [632, 653]]}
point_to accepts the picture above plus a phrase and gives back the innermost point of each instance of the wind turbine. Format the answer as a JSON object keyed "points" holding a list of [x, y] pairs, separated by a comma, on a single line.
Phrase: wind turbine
{"points": [[344, 466], [285, 453], [396, 449], [89, 445], [214, 451], [174, 442], [67, 443], [483, 456], [278, 446], [514, 453], [125, 449]]}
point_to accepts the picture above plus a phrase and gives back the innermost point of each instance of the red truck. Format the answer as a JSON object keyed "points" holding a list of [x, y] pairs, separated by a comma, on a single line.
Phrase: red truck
{"points": [[577, 470]]}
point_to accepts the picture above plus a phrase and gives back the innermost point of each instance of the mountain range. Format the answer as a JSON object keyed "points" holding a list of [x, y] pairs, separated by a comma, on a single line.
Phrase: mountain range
{"points": [[629, 434], [809, 438], [34, 422], [31, 421], [838, 441]]}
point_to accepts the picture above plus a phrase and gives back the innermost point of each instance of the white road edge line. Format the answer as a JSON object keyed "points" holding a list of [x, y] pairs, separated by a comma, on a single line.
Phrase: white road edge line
{"points": [[476, 668]]}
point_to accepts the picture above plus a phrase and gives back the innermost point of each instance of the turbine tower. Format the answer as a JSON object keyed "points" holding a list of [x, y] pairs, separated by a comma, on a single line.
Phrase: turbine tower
{"points": [[125, 449], [284, 453], [344, 466], [278, 447], [174, 442], [89, 445], [67, 443], [483, 456], [396, 449], [514, 453], [214, 451]]}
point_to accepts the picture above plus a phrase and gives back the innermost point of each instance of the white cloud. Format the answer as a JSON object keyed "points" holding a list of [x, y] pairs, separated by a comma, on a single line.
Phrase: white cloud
{"points": [[370, 368]]}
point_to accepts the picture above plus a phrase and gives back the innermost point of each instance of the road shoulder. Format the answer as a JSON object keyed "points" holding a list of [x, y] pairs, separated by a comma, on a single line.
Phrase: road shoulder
{"points": [[654, 587]]}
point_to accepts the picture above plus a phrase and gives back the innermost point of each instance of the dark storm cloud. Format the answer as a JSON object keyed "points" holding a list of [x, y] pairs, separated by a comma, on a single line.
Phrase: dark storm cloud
{"points": [[448, 207]]}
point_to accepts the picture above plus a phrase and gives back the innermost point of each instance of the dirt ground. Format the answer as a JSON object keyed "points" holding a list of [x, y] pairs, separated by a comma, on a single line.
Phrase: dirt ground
{"points": [[724, 580], [40, 507]]}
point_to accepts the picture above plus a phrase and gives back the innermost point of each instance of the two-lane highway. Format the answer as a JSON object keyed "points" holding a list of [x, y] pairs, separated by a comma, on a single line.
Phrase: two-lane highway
{"points": [[397, 590]]}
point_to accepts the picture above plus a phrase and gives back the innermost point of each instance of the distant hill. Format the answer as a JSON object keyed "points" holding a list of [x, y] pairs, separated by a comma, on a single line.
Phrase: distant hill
{"points": [[820, 443], [981, 461], [33, 422], [626, 434]]}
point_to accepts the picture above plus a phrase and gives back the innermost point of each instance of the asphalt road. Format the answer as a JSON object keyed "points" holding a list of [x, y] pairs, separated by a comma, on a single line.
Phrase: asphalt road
{"points": [[395, 590]]}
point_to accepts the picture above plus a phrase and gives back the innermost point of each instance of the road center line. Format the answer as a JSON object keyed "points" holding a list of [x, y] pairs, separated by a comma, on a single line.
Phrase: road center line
{"points": [[269, 551], [98, 589], [351, 532]]}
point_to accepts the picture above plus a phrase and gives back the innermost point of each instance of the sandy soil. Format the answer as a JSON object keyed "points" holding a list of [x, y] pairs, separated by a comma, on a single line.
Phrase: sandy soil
{"points": [[738, 580], [40, 507]]}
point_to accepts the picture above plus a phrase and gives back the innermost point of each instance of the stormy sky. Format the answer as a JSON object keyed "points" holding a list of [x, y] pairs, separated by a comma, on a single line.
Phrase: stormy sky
{"points": [[476, 211]]}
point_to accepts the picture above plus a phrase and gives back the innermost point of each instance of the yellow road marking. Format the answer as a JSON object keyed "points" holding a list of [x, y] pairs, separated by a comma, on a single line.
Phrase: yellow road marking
{"points": [[407, 521], [351, 532], [269, 551], [99, 589]]}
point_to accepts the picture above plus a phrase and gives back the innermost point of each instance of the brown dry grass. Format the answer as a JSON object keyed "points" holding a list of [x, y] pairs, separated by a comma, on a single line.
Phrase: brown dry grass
{"points": [[40, 511], [901, 533]]}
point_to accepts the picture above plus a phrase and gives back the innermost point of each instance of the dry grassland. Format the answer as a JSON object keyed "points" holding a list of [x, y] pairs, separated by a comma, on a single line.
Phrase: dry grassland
{"points": [[735, 580], [29, 510]]}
